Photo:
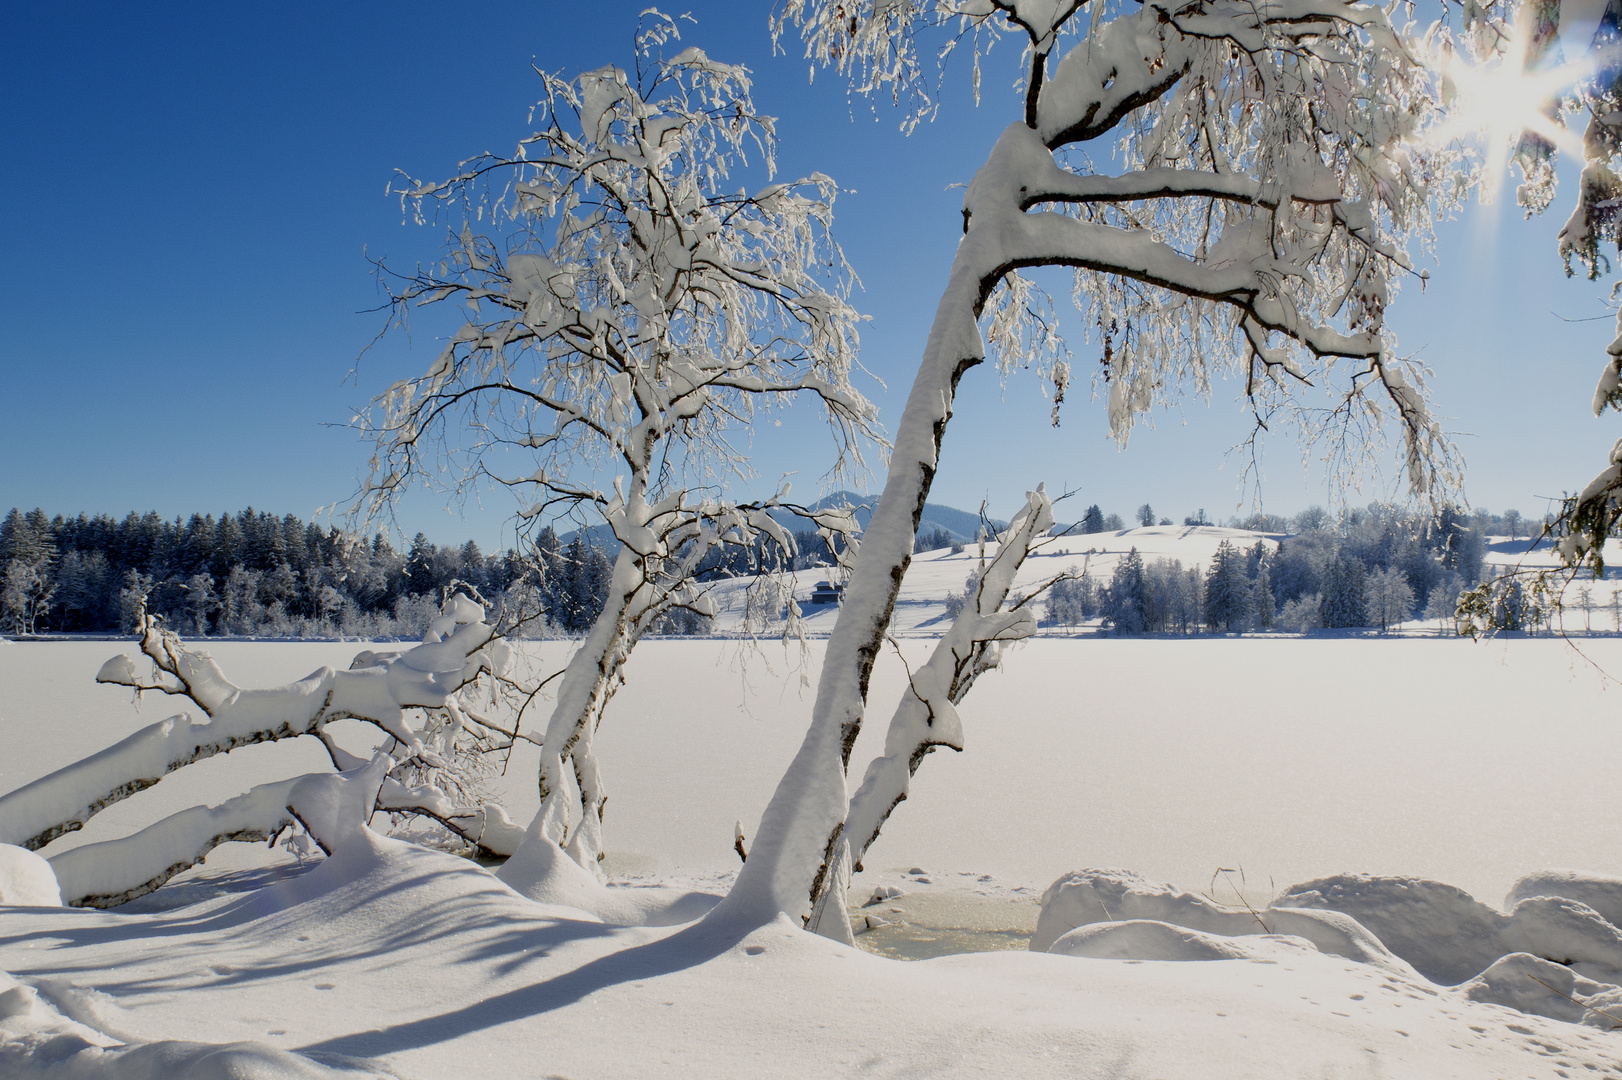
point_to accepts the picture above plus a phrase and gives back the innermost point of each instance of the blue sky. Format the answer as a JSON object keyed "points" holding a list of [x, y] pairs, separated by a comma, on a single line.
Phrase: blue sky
{"points": [[189, 191]]}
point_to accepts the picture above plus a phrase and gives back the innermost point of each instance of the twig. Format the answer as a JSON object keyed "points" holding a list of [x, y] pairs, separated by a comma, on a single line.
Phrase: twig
{"points": [[1574, 1001], [1239, 892]]}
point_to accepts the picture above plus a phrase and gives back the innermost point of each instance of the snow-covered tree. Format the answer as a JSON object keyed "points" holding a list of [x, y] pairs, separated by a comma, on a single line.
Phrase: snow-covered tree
{"points": [[1227, 590], [1261, 586], [1389, 597], [25, 594], [424, 702], [1127, 607], [1345, 602], [1301, 614], [926, 717], [629, 308], [1073, 600], [1557, 60], [1268, 186]]}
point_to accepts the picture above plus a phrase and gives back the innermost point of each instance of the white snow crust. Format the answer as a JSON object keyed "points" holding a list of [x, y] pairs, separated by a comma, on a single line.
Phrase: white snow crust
{"points": [[421, 963], [26, 879]]}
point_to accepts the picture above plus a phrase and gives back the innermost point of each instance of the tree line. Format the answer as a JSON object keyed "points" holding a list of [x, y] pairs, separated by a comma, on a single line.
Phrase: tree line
{"points": [[1369, 567], [256, 574]]}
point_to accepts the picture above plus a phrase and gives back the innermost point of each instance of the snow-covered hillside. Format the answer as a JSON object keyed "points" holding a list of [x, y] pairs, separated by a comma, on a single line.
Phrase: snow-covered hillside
{"points": [[933, 575]]}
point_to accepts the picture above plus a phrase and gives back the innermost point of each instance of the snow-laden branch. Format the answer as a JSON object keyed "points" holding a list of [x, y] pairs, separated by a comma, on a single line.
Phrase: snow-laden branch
{"points": [[333, 809], [115, 872], [459, 646], [927, 715]]}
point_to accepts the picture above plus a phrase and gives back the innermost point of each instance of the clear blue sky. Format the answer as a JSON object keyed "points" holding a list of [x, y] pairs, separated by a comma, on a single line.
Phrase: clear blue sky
{"points": [[188, 191]]}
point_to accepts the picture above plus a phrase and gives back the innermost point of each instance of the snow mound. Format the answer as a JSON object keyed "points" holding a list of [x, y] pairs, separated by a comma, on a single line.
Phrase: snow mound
{"points": [[38, 1041], [1148, 939], [26, 879], [545, 873], [1602, 892], [1531, 984], [1449, 936], [1552, 955], [1085, 897]]}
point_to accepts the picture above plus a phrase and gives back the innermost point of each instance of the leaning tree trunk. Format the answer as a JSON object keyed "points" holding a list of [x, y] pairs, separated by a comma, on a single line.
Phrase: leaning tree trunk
{"points": [[800, 829], [588, 683]]}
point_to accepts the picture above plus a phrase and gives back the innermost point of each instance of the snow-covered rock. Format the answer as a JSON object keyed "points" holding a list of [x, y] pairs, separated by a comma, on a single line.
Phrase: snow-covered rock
{"points": [[1551, 955], [1450, 936], [1106, 896], [1148, 939], [1531, 984]]}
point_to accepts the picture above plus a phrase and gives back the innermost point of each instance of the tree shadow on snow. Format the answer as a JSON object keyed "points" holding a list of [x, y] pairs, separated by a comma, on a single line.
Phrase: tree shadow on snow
{"points": [[688, 948]]}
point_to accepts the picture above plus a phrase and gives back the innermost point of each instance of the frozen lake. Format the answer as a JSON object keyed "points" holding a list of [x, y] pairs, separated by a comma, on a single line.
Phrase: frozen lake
{"points": [[1292, 758]]}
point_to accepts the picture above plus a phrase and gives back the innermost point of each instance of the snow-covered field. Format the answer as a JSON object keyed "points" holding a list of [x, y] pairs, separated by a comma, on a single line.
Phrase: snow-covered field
{"points": [[933, 575], [1291, 758]]}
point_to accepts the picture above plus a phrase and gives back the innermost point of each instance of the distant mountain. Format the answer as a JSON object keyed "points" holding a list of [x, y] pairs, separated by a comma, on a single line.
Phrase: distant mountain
{"points": [[963, 525]]}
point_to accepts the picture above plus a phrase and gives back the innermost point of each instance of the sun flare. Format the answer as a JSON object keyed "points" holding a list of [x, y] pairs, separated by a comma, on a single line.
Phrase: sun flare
{"points": [[1498, 98]]}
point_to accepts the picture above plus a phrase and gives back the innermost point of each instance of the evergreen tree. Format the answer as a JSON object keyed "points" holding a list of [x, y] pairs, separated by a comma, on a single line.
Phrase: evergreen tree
{"points": [[28, 538], [1344, 603], [1227, 590], [472, 569], [571, 589], [419, 566], [294, 550], [1261, 598], [1093, 520], [1128, 610], [227, 546], [194, 545]]}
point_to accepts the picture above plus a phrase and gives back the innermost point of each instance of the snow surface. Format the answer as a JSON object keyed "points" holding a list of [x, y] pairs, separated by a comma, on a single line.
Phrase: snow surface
{"points": [[1419, 759], [1291, 758], [427, 964]]}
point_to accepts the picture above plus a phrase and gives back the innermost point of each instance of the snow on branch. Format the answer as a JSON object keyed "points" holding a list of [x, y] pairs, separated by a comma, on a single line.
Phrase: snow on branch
{"points": [[333, 809], [927, 714], [459, 647], [115, 872]]}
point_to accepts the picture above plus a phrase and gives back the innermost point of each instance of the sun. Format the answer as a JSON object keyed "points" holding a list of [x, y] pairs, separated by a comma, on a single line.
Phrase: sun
{"points": [[1498, 98]]}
